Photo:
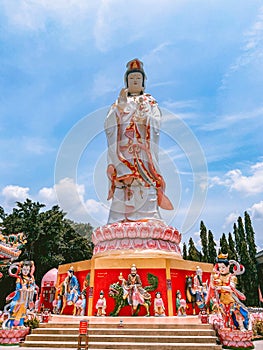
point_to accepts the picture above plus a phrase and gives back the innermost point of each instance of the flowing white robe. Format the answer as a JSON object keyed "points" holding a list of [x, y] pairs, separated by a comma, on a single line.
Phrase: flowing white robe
{"points": [[136, 188]]}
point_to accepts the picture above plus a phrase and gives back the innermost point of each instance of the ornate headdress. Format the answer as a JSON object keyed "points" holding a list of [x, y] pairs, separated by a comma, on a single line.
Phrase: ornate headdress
{"points": [[222, 256]]}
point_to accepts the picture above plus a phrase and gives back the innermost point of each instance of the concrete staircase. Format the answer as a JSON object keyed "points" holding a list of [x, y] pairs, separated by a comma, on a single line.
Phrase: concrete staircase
{"points": [[143, 335]]}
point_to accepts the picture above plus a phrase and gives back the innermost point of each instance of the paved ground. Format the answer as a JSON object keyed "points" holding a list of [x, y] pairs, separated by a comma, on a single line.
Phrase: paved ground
{"points": [[258, 346]]}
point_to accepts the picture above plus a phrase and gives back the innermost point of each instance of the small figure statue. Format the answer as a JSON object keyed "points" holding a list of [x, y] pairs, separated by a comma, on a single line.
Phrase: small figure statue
{"points": [[159, 309], [81, 305], [101, 305], [22, 300], [133, 290], [180, 304], [223, 288], [132, 129]]}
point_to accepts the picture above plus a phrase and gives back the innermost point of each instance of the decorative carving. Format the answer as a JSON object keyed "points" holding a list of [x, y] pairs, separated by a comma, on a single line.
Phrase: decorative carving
{"points": [[153, 235]]}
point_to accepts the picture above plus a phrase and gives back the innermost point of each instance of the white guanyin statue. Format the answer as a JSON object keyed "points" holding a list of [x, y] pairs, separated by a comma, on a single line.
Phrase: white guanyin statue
{"points": [[132, 129], [137, 189]]}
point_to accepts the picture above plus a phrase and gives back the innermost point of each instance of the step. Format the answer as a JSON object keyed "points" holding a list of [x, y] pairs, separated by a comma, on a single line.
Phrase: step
{"points": [[128, 325], [123, 330], [126, 345], [135, 334], [124, 338]]}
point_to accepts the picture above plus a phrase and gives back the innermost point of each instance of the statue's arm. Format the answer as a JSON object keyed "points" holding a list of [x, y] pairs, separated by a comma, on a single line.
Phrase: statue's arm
{"points": [[138, 281], [155, 124]]}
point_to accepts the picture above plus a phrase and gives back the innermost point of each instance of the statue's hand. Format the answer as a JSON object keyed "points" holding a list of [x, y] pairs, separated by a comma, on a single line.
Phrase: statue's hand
{"points": [[123, 96]]}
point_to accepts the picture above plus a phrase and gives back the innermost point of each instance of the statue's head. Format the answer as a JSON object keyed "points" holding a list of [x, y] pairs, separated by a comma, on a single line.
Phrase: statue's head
{"points": [[115, 290], [133, 270], [71, 271], [26, 268], [223, 264], [135, 77], [158, 294], [199, 271]]}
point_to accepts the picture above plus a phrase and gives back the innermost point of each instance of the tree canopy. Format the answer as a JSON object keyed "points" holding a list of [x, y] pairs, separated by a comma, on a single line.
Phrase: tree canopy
{"points": [[51, 238]]}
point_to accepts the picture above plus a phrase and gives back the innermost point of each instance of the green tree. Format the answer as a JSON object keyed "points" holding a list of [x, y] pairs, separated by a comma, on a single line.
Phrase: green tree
{"points": [[250, 236], [85, 230], [232, 254], [204, 243], [252, 251], [224, 248], [237, 239], [211, 248], [247, 279], [184, 251], [193, 253]]}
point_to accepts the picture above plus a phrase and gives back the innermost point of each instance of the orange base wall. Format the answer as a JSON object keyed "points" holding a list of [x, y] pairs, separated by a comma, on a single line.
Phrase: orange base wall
{"points": [[170, 269]]}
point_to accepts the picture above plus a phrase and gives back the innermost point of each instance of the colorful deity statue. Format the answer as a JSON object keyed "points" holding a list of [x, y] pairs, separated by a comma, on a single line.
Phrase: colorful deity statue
{"points": [[69, 292], [132, 129], [133, 290], [101, 305], [22, 299], [199, 288], [159, 309], [180, 304], [223, 289]]}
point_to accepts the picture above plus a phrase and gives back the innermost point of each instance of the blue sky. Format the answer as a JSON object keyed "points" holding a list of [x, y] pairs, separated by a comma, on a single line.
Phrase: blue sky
{"points": [[61, 67]]}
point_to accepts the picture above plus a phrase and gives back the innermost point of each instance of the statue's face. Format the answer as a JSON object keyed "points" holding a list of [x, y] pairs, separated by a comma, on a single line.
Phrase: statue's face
{"points": [[135, 82], [25, 270], [223, 269], [133, 271], [199, 272]]}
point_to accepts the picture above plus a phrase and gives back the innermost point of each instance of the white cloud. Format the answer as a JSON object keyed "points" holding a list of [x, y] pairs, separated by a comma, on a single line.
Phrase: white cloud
{"points": [[230, 219], [67, 194], [71, 198], [47, 195], [257, 210], [13, 194], [235, 180]]}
